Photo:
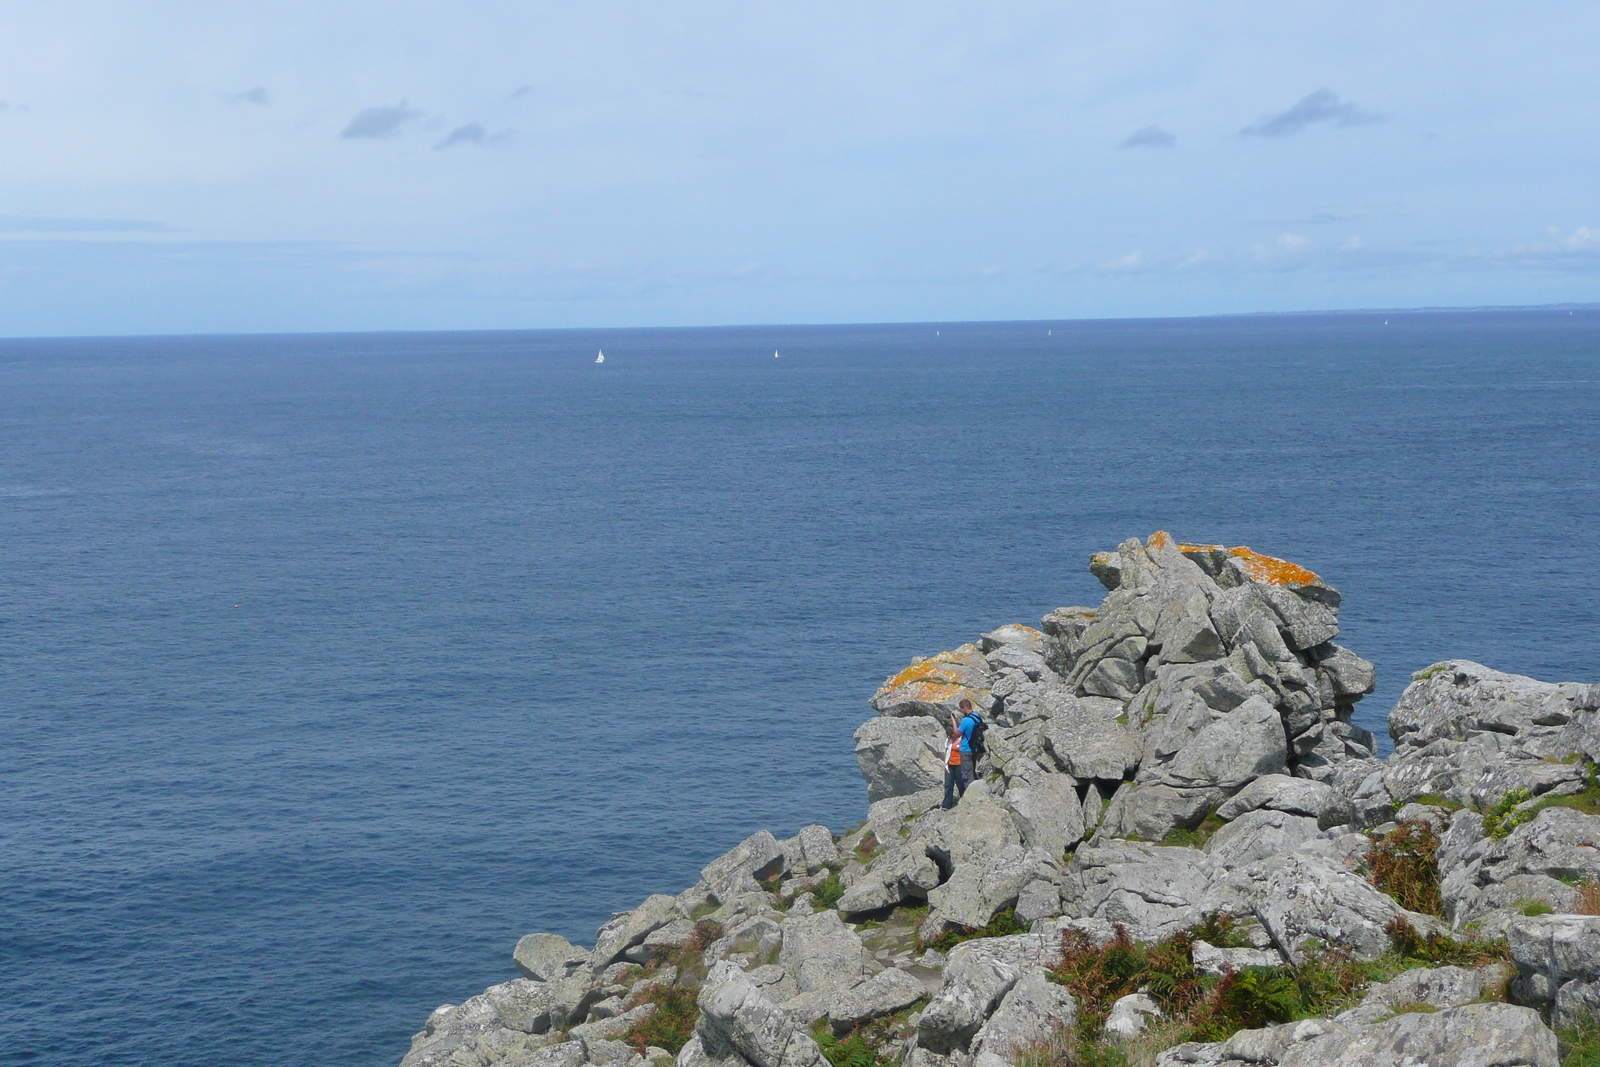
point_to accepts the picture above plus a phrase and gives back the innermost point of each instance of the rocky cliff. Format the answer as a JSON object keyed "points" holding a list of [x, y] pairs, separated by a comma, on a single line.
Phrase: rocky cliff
{"points": [[1180, 850]]}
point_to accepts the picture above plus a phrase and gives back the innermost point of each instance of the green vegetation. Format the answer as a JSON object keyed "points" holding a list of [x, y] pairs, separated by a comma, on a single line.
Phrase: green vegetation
{"points": [[1502, 817], [1202, 1007], [1434, 800], [1220, 930], [827, 894], [1196, 837], [1580, 1044], [1531, 908], [1402, 863], [869, 1044], [1004, 922], [1429, 672], [1053, 1050], [868, 845], [673, 1022]]}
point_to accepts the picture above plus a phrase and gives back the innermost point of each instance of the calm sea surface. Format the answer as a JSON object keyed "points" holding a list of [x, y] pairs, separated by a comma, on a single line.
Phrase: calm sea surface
{"points": [[330, 665]]}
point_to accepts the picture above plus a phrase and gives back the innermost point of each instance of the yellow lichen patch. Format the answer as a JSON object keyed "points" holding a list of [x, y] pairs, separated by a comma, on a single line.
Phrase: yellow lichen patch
{"points": [[1102, 557], [1159, 539], [932, 668], [1273, 571], [927, 692], [1186, 547]]}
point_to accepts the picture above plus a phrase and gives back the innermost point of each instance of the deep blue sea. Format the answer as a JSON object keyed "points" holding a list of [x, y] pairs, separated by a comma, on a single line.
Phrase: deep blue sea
{"points": [[330, 665]]}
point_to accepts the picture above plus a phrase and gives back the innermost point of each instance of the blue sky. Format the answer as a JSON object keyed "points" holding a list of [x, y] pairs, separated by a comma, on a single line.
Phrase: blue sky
{"points": [[181, 167]]}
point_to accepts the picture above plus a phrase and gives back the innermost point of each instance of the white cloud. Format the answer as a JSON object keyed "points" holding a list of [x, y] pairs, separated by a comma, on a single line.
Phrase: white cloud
{"points": [[1132, 261], [1352, 243], [1293, 242]]}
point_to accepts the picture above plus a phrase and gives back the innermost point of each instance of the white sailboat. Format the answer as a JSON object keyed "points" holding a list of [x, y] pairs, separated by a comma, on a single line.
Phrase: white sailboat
{"points": [[774, 353], [601, 358]]}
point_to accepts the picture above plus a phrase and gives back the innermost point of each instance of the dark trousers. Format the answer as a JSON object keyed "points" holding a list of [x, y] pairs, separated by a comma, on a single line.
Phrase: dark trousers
{"points": [[956, 780]]}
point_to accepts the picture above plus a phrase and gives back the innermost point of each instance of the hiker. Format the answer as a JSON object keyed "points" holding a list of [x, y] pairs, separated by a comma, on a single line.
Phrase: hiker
{"points": [[970, 730], [952, 763]]}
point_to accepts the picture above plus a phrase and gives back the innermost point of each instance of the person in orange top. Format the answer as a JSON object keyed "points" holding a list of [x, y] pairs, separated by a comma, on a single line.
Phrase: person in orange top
{"points": [[952, 765]]}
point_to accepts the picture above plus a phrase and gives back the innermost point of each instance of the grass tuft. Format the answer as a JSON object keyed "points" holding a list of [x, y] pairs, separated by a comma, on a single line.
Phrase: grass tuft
{"points": [[672, 1024], [1402, 863], [1004, 923]]}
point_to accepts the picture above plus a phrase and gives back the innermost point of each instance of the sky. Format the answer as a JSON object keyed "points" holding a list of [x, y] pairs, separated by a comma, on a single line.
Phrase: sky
{"points": [[228, 167]]}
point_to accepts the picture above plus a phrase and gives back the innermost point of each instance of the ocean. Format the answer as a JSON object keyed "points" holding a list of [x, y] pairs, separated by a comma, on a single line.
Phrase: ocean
{"points": [[330, 665]]}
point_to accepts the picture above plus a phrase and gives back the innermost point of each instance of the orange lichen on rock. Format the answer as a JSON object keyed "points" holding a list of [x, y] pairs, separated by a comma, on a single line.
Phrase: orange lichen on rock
{"points": [[1273, 571], [1186, 547], [1159, 539]]}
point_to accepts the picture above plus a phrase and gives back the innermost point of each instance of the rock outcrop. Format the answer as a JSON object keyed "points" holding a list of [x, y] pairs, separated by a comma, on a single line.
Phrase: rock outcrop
{"points": [[1182, 754]]}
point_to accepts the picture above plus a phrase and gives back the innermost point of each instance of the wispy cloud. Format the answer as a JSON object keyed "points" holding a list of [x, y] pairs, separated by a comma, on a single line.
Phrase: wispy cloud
{"points": [[471, 133], [1321, 106], [522, 91], [1149, 137], [40, 224], [258, 95], [1132, 261], [383, 121], [21, 109]]}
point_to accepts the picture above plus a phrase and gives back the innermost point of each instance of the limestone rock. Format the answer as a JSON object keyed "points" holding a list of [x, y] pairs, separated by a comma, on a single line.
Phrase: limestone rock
{"points": [[817, 848], [820, 952], [977, 975], [1033, 1010], [736, 1017], [547, 957], [937, 685], [631, 927], [1438, 987], [885, 993], [736, 871], [1257, 835], [1152, 890], [497, 1022], [1311, 896], [1298, 796], [1209, 959], [1047, 812], [1456, 698], [1087, 745], [1130, 1016], [1473, 1035], [976, 890], [899, 756]]}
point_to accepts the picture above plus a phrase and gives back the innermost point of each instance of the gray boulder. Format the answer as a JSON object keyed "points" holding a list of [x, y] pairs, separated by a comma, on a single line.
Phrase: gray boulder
{"points": [[1130, 1016], [1313, 896], [1473, 1035], [977, 975], [1257, 835], [735, 1017], [1458, 698], [1436, 987], [736, 872], [547, 957], [1088, 745], [899, 756], [631, 927], [1152, 890], [817, 849], [1297, 796], [1032, 1012], [501, 1020], [1046, 811], [978, 889], [821, 953], [885, 993], [1558, 963], [896, 876]]}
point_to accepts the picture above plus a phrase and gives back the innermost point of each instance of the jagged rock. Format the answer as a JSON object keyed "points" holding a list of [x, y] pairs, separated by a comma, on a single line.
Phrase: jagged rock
{"points": [[758, 936], [1130, 1016], [884, 993], [721, 1054], [612, 1027], [1258, 834], [673, 935], [817, 849], [1265, 1046], [1046, 811], [1558, 842], [609, 1052], [1088, 745], [736, 1017], [937, 685], [888, 817], [978, 889], [1209, 959], [629, 928], [1298, 796], [1438, 987], [976, 976], [898, 875], [820, 952], [1473, 1035], [1311, 896], [1558, 963], [1152, 890], [899, 756], [502, 1019], [1031, 1012], [547, 957], [736, 871], [1458, 698], [1040, 899]]}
